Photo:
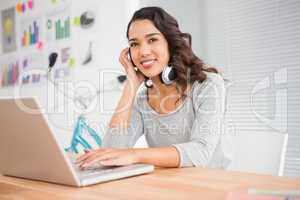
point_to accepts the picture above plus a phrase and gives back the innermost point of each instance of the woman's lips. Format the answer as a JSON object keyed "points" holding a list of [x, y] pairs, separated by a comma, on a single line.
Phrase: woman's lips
{"points": [[148, 64]]}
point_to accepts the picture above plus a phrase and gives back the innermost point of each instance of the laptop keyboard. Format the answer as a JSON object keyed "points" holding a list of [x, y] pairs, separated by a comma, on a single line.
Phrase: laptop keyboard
{"points": [[96, 169]]}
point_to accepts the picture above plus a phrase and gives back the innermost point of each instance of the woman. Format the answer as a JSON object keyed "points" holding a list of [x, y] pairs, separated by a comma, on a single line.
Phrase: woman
{"points": [[180, 110]]}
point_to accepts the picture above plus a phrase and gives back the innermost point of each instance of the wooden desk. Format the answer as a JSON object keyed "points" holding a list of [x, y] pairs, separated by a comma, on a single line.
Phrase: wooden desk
{"points": [[187, 183]]}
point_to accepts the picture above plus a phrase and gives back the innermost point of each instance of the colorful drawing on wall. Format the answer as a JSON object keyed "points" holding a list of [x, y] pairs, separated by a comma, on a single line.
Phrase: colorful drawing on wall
{"points": [[9, 30], [33, 69], [9, 73], [71, 62], [58, 27], [65, 54], [22, 7], [62, 29], [76, 21], [33, 78], [58, 23], [40, 45], [30, 33]]}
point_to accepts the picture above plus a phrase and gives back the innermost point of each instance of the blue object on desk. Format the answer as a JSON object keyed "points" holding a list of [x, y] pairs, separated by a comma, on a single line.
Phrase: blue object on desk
{"points": [[77, 138]]}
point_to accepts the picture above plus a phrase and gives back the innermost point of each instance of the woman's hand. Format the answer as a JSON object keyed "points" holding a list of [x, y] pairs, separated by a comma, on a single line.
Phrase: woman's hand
{"points": [[107, 157], [135, 78]]}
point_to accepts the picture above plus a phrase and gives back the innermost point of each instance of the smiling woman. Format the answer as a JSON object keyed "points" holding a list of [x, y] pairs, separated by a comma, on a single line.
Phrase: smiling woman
{"points": [[182, 119], [148, 48]]}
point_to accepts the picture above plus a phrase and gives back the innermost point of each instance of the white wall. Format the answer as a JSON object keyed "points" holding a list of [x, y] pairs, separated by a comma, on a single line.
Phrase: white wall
{"points": [[212, 24], [109, 38], [244, 38]]}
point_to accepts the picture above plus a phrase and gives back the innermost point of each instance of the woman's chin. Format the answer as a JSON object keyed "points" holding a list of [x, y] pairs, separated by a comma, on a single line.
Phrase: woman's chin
{"points": [[150, 74]]}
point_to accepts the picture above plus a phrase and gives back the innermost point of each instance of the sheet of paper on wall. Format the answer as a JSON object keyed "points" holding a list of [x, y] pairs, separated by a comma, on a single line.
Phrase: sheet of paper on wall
{"points": [[9, 30], [33, 69], [25, 6], [58, 23], [9, 72], [31, 32], [60, 69]]}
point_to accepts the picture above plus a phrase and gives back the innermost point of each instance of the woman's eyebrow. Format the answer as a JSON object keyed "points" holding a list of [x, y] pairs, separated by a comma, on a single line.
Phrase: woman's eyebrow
{"points": [[151, 34], [146, 36]]}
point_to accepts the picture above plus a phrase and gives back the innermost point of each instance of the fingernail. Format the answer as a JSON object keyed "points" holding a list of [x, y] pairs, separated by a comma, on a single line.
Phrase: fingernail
{"points": [[85, 164]]}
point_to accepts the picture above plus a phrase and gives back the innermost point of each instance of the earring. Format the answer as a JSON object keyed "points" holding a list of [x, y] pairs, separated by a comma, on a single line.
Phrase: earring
{"points": [[148, 83], [168, 75]]}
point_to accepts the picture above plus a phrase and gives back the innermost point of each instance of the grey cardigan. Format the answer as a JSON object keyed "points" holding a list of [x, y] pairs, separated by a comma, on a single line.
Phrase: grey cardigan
{"points": [[195, 128]]}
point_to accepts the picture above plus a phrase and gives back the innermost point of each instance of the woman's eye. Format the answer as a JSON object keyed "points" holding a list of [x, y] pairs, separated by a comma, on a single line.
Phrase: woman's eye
{"points": [[152, 40], [133, 44]]}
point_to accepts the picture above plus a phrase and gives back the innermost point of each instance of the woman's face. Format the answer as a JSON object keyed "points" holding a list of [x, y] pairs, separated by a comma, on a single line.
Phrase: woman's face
{"points": [[148, 47]]}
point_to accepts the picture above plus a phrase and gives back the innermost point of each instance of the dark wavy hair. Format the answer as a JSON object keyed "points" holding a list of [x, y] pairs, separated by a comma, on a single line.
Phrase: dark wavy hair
{"points": [[189, 68]]}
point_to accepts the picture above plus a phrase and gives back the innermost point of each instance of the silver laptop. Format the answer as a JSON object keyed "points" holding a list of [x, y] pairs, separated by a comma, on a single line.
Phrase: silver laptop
{"points": [[29, 149]]}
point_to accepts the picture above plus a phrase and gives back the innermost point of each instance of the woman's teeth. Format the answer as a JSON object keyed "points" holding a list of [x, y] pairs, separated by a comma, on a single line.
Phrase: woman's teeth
{"points": [[147, 63]]}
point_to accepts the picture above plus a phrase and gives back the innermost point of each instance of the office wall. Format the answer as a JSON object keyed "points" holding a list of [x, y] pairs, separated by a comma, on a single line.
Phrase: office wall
{"points": [[256, 42], [108, 38], [222, 37]]}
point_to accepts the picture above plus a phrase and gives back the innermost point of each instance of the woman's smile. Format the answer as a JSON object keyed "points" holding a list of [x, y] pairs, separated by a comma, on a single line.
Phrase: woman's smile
{"points": [[147, 64]]}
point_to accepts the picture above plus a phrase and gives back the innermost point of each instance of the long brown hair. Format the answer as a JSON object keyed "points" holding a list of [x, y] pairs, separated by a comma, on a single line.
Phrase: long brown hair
{"points": [[189, 68]]}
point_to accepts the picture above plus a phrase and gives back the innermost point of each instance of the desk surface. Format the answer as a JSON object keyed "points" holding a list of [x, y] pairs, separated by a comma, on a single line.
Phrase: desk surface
{"points": [[186, 183]]}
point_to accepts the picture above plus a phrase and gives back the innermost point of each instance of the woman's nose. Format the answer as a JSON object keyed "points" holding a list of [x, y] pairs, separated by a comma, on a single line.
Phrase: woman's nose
{"points": [[145, 50]]}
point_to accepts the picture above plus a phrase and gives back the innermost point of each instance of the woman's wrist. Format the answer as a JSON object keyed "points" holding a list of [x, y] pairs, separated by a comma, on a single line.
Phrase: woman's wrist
{"points": [[130, 88], [121, 116], [158, 156], [138, 155]]}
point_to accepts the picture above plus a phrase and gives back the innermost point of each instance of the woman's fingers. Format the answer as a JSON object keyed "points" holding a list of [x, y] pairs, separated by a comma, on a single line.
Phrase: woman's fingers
{"points": [[96, 157], [90, 160], [83, 156], [111, 162], [87, 154], [109, 157], [124, 59], [135, 77], [126, 62]]}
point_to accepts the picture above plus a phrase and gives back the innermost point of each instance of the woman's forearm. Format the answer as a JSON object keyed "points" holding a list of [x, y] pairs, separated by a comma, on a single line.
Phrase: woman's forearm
{"points": [[122, 113], [160, 156]]}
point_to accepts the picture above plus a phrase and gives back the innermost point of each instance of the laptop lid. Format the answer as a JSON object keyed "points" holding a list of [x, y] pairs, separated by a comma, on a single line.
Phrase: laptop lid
{"points": [[28, 147]]}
